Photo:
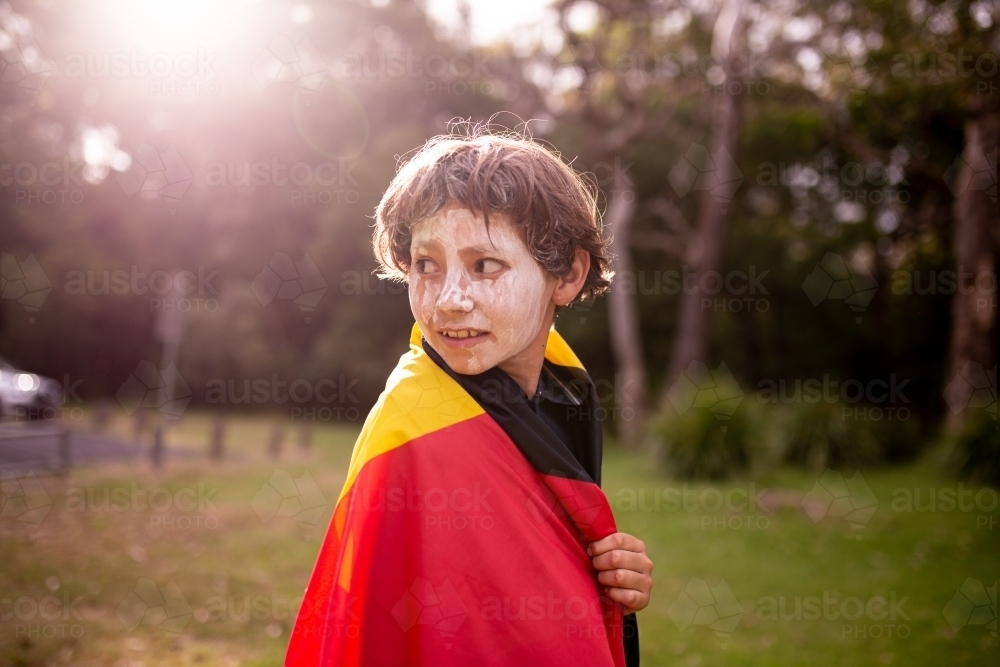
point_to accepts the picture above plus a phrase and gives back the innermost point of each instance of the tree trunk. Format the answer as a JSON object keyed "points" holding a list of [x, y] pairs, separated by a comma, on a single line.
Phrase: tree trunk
{"points": [[704, 255], [973, 350], [623, 321]]}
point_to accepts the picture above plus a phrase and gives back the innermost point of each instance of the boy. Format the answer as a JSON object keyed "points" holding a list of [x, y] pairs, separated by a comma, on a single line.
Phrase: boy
{"points": [[472, 529]]}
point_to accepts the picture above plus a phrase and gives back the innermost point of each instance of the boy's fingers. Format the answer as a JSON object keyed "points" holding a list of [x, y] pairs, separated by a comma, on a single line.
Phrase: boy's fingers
{"points": [[624, 560], [632, 600], [622, 541], [626, 579]]}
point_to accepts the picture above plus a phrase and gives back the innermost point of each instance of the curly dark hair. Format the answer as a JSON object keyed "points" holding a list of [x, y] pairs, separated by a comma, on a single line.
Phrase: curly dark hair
{"points": [[509, 175]]}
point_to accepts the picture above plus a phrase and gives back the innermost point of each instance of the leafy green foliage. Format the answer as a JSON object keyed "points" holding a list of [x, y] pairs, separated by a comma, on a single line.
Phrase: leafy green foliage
{"points": [[821, 437], [973, 451], [698, 445]]}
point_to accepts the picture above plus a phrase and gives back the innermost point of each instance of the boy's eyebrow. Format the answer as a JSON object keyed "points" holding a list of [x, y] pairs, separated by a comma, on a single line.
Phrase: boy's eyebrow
{"points": [[422, 245], [481, 249]]}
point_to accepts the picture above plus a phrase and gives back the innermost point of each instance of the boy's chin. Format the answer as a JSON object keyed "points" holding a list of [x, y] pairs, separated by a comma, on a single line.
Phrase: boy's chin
{"points": [[465, 363]]}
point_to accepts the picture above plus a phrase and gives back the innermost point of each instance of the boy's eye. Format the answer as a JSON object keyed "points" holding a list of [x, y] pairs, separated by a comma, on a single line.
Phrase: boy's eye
{"points": [[488, 265], [424, 265]]}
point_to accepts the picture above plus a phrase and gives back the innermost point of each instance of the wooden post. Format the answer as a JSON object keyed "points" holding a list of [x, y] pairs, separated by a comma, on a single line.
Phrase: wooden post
{"points": [[64, 460], [157, 450], [218, 450], [305, 437], [140, 426], [274, 446], [102, 414]]}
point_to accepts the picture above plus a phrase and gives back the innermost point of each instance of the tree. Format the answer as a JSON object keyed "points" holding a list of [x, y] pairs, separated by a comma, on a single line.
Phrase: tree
{"points": [[704, 254], [973, 348]]}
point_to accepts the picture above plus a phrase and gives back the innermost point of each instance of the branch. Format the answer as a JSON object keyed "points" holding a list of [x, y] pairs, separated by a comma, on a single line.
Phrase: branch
{"points": [[664, 241], [668, 212]]}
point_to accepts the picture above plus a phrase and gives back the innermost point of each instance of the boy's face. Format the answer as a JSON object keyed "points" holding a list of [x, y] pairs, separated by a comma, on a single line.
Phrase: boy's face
{"points": [[480, 299]]}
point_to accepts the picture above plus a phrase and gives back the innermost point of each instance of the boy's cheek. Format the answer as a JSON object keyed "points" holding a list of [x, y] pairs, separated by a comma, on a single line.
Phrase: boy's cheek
{"points": [[421, 299]]}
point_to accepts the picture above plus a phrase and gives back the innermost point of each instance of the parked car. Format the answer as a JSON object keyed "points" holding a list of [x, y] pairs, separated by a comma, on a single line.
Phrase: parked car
{"points": [[27, 395]]}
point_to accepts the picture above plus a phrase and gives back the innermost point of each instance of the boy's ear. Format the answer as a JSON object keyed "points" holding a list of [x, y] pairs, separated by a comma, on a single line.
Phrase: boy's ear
{"points": [[568, 287]]}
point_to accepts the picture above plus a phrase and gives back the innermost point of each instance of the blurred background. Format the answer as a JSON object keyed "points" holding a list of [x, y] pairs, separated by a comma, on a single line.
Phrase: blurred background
{"points": [[796, 365]]}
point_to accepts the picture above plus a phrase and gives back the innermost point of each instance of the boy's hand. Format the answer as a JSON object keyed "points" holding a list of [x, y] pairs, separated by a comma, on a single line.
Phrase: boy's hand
{"points": [[624, 568]]}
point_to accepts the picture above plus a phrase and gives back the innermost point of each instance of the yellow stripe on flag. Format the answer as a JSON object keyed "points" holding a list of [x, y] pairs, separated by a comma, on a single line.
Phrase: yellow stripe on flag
{"points": [[420, 398]]}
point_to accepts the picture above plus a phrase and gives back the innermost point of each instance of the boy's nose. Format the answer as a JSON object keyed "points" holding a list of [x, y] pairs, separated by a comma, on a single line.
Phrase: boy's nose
{"points": [[455, 296]]}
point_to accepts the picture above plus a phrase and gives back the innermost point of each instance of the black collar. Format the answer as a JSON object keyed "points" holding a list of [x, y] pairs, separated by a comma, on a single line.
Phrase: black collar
{"points": [[504, 400]]}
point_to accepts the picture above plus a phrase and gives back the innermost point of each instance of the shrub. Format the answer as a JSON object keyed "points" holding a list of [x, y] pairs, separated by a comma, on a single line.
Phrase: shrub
{"points": [[973, 450], [899, 441], [697, 444], [819, 437]]}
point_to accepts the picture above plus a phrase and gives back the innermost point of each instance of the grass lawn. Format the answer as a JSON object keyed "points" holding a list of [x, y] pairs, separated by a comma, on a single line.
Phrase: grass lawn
{"points": [[226, 548]]}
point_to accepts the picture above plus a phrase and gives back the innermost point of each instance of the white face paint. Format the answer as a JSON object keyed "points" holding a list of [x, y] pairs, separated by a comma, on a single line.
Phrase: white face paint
{"points": [[480, 299]]}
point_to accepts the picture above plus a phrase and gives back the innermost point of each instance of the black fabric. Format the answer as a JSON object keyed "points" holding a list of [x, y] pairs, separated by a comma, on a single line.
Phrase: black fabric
{"points": [[630, 633], [558, 430], [565, 401], [505, 401]]}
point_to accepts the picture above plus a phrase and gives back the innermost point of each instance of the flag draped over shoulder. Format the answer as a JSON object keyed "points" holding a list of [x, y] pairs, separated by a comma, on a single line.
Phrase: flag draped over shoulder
{"points": [[460, 534]]}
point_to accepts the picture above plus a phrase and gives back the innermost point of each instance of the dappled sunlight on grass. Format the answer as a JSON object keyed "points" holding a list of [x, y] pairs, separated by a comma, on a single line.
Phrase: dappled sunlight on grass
{"points": [[904, 565], [228, 548], [238, 549]]}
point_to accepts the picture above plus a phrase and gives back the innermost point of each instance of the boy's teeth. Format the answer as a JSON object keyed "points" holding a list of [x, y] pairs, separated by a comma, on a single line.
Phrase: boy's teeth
{"points": [[464, 333]]}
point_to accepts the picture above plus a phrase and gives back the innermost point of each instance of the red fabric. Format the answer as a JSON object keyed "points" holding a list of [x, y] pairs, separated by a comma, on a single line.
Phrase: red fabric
{"points": [[463, 555]]}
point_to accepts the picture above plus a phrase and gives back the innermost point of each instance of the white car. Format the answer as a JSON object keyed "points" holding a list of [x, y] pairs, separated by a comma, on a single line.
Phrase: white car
{"points": [[28, 395]]}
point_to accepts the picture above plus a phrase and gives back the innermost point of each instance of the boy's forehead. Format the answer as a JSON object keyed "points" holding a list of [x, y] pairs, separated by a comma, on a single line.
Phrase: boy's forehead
{"points": [[458, 225]]}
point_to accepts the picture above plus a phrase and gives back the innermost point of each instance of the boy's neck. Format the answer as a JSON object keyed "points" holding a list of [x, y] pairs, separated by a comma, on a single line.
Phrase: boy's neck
{"points": [[525, 368]]}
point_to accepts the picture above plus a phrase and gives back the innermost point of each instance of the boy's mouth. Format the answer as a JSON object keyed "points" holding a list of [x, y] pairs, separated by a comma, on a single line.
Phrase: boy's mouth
{"points": [[462, 337]]}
